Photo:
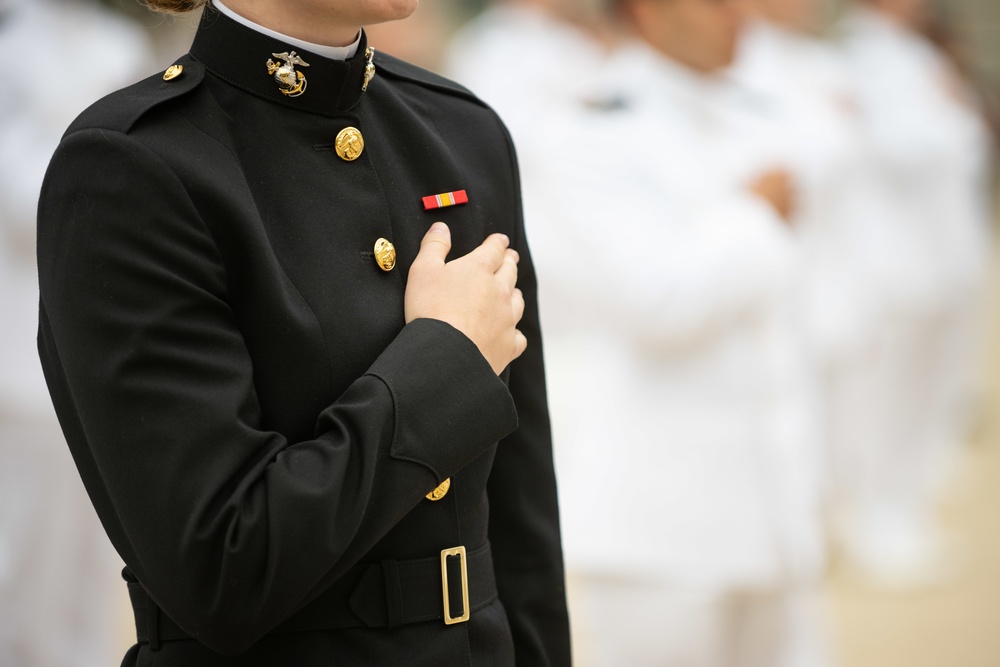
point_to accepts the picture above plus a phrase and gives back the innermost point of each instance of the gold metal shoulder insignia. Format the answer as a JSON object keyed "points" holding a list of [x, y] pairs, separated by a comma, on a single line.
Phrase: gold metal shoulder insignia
{"points": [[290, 81]]}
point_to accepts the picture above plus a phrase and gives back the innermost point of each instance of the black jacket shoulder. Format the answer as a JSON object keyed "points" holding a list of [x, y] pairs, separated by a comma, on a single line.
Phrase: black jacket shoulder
{"points": [[400, 69], [122, 109]]}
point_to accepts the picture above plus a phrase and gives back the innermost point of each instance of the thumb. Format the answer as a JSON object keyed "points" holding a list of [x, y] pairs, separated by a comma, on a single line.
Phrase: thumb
{"points": [[436, 243]]}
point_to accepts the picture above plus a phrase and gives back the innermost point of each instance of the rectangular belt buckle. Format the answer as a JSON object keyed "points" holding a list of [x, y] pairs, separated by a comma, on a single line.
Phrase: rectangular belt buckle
{"points": [[448, 618]]}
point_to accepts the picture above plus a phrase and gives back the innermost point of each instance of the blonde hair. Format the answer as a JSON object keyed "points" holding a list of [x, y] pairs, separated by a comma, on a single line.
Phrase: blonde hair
{"points": [[174, 6]]}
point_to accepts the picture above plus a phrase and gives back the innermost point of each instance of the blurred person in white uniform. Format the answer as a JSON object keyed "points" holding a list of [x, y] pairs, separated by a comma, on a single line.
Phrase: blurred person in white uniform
{"points": [[805, 84], [528, 59], [930, 153], [847, 242], [683, 422], [56, 565]]}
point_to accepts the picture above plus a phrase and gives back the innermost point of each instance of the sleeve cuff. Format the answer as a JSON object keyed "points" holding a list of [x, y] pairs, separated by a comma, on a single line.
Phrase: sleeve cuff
{"points": [[449, 404]]}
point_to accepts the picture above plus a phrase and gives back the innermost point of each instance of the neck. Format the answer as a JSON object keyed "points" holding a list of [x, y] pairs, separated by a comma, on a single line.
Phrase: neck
{"points": [[687, 58], [910, 16], [306, 24]]}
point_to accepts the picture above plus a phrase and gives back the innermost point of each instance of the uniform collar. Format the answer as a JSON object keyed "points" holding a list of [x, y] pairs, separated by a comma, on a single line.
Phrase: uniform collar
{"points": [[674, 80], [238, 54], [331, 52]]}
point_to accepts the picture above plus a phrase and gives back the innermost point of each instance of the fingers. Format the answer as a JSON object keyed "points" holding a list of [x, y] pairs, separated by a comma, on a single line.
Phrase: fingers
{"points": [[517, 304], [507, 273], [520, 343], [436, 243], [492, 252]]}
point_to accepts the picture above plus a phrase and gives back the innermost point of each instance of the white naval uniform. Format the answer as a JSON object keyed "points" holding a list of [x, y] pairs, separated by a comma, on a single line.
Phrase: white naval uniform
{"points": [[555, 62], [930, 150], [60, 605], [841, 231], [805, 84], [682, 440]]}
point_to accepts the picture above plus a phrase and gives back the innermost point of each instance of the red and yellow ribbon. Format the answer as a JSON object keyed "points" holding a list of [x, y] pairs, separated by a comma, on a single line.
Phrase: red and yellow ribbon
{"points": [[445, 199]]}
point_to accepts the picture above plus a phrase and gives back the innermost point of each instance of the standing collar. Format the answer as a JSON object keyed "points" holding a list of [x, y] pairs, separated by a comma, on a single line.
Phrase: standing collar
{"points": [[239, 54], [331, 52]]}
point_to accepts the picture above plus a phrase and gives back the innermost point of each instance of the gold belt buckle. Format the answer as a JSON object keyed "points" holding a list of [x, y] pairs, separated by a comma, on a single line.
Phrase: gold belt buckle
{"points": [[448, 618]]}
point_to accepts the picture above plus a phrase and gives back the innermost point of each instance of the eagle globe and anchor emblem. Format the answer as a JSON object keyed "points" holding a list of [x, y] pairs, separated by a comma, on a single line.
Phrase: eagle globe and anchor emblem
{"points": [[292, 83]]}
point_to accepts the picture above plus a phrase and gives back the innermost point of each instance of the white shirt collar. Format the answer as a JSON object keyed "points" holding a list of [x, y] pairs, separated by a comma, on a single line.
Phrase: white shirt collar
{"points": [[331, 52]]}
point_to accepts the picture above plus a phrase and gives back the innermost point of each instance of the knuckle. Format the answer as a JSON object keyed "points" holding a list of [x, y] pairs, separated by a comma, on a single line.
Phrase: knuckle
{"points": [[483, 261], [430, 243]]}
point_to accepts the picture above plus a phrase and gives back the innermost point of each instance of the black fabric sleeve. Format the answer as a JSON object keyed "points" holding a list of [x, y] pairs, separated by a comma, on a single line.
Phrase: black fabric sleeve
{"points": [[524, 514], [228, 526]]}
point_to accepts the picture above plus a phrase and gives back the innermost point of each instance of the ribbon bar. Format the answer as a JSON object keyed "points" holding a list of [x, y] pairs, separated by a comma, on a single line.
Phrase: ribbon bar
{"points": [[445, 199]]}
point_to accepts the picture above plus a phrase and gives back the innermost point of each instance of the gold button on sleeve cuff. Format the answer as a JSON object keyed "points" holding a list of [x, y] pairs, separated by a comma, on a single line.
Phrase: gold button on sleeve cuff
{"points": [[440, 492]]}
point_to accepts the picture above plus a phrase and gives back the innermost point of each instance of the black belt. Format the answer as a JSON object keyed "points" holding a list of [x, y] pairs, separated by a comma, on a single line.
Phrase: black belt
{"points": [[386, 594]]}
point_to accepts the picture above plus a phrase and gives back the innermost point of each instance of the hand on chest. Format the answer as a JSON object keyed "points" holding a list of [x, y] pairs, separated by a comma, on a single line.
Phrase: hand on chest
{"points": [[340, 205]]}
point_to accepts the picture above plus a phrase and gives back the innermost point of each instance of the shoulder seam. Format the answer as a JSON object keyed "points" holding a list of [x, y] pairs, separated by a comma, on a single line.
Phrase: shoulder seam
{"points": [[400, 69], [103, 113]]}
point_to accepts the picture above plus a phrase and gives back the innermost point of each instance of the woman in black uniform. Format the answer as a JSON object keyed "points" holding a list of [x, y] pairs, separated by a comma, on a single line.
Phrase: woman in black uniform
{"points": [[313, 439]]}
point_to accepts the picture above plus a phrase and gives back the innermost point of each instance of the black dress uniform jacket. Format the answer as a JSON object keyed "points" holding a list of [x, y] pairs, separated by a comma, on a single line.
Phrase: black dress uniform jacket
{"points": [[254, 422]]}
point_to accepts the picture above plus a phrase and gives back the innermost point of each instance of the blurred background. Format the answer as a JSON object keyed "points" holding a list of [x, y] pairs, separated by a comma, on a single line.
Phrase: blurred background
{"points": [[765, 234]]}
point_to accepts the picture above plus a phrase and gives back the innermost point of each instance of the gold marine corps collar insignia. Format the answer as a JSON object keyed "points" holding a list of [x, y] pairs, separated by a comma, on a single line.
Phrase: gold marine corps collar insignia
{"points": [[290, 81], [369, 68]]}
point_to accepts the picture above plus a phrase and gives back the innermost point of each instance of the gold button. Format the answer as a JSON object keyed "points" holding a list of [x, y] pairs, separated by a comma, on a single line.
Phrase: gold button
{"points": [[385, 254], [173, 72], [440, 492], [349, 144]]}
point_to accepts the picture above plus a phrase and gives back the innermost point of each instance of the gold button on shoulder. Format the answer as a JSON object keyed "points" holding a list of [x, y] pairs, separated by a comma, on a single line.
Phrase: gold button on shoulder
{"points": [[440, 492], [173, 72], [349, 144], [385, 254]]}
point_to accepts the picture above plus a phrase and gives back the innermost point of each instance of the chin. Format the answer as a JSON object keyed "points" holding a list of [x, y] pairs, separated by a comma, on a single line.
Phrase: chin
{"points": [[392, 10]]}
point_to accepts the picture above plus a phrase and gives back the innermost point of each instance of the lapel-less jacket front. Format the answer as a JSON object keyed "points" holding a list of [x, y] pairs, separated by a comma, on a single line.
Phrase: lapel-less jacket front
{"points": [[251, 416]]}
